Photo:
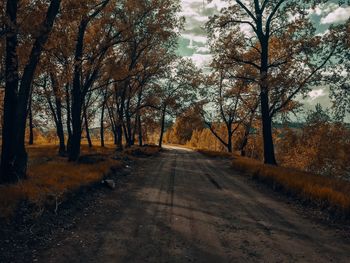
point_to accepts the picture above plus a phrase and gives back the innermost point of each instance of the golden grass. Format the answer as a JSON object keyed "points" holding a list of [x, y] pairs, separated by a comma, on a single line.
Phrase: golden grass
{"points": [[215, 153], [148, 150], [51, 177], [325, 191]]}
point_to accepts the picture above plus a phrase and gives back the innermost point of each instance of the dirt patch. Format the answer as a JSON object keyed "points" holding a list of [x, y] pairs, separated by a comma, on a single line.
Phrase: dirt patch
{"points": [[33, 229], [167, 210], [92, 158]]}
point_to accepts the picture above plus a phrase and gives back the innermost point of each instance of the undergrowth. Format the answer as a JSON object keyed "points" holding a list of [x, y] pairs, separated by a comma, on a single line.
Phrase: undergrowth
{"points": [[51, 178], [215, 153], [326, 192], [148, 150]]}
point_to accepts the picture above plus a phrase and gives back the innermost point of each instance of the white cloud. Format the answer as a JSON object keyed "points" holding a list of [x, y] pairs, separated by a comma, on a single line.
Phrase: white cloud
{"points": [[314, 94], [203, 50], [196, 38], [201, 60], [322, 9], [218, 4], [340, 14]]}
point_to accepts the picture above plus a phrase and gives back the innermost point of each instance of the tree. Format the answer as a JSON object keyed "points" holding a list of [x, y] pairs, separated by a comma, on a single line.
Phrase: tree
{"points": [[176, 89], [17, 90], [321, 146], [189, 121], [338, 77], [285, 68], [229, 101]]}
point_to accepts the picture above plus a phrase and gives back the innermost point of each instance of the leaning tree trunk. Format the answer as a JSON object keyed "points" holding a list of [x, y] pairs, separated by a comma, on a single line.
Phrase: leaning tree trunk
{"points": [[247, 128], [17, 167], [162, 126], [31, 133], [25, 87], [102, 131], [58, 114], [60, 131], [87, 130]]}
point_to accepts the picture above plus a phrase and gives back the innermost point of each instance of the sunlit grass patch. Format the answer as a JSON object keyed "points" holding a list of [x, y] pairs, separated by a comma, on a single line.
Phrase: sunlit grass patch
{"points": [[51, 177], [327, 192], [147, 150], [215, 153]]}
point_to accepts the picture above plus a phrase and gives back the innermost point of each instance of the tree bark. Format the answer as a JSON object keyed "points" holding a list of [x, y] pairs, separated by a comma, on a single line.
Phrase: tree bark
{"points": [[102, 131], [162, 126], [87, 130], [139, 124], [119, 133], [31, 133], [68, 116], [229, 141], [247, 128], [25, 87], [77, 98], [14, 162], [7, 172], [269, 152], [57, 114]]}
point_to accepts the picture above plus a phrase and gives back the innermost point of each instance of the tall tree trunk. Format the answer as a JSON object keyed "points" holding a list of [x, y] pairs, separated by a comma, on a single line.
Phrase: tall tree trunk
{"points": [[269, 152], [139, 130], [246, 134], [113, 124], [31, 133], [128, 128], [102, 130], [7, 173], [69, 117], [229, 141], [58, 114], [25, 87], [18, 156], [77, 98], [119, 133], [60, 131], [138, 123], [126, 134], [87, 130], [120, 123], [162, 126]]}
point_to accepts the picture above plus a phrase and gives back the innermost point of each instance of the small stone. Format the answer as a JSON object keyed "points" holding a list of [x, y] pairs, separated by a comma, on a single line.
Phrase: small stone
{"points": [[110, 183]]}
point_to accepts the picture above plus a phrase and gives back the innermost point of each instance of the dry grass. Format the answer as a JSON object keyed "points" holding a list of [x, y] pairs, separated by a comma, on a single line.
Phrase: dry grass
{"points": [[51, 177], [215, 153], [148, 150], [330, 193]]}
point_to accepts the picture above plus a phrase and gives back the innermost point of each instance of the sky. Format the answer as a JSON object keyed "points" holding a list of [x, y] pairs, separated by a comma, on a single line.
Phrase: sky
{"points": [[193, 41]]}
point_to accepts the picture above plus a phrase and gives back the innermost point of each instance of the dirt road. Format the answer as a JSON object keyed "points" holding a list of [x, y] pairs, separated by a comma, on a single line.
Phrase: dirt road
{"points": [[184, 207]]}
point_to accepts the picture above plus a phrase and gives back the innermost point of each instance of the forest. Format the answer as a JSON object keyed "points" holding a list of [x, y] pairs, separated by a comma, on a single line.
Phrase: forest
{"points": [[90, 88]]}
